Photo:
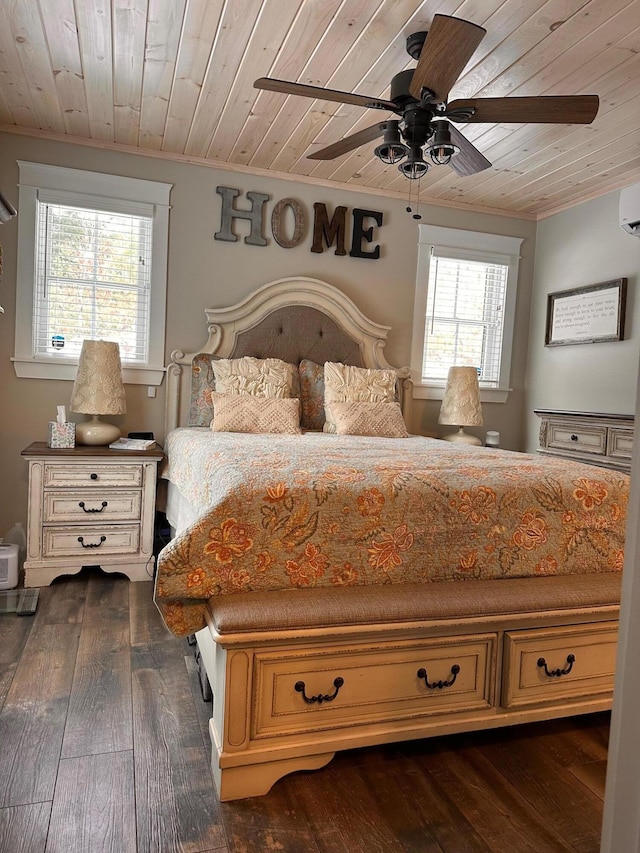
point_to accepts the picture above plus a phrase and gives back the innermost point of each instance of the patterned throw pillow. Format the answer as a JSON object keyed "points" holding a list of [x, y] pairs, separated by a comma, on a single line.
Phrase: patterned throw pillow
{"points": [[247, 413], [203, 384], [346, 383], [378, 419], [256, 377], [311, 394]]}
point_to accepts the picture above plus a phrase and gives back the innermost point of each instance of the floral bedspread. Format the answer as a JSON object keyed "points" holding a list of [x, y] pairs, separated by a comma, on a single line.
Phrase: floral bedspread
{"points": [[282, 512]]}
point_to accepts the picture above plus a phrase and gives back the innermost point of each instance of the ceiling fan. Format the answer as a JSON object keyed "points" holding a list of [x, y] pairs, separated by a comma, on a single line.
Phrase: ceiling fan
{"points": [[419, 97]]}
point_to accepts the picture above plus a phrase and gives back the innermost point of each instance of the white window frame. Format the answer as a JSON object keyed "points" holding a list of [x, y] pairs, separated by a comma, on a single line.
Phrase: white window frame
{"points": [[88, 189], [492, 248]]}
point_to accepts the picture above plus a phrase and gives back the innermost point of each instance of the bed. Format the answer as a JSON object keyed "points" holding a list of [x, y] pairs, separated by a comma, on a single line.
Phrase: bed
{"points": [[346, 589]]}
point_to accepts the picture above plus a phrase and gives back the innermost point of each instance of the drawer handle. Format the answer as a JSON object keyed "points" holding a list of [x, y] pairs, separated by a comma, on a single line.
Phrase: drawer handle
{"points": [[321, 697], [557, 672], [95, 509], [432, 685], [94, 476], [91, 544], [574, 437]]}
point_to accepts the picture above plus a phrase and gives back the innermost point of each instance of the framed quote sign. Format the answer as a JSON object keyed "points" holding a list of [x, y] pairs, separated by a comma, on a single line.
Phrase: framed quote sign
{"points": [[587, 315]]}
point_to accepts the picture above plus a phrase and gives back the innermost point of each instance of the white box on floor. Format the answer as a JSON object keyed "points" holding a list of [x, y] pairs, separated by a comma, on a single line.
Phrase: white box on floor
{"points": [[8, 565]]}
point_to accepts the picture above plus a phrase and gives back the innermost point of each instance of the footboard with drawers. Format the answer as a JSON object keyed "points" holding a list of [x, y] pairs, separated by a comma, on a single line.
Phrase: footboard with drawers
{"points": [[323, 670]]}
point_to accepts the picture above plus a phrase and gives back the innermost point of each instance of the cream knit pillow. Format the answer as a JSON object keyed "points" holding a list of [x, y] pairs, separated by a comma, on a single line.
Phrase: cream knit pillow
{"points": [[346, 383], [378, 419], [245, 413]]}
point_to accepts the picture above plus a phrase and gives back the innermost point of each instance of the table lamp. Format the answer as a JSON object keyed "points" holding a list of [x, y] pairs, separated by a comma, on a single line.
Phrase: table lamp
{"points": [[98, 390], [461, 404]]}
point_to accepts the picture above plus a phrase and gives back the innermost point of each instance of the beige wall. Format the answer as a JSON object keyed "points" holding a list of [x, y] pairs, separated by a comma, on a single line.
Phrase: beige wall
{"points": [[205, 273], [581, 246]]}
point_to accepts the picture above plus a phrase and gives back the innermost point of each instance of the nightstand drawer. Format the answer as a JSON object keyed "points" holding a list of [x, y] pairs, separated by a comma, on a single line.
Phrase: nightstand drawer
{"points": [[80, 506], [91, 541], [92, 476], [620, 443], [579, 439]]}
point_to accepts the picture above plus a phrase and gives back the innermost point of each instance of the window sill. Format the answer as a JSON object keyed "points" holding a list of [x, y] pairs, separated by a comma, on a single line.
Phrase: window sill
{"points": [[436, 392], [31, 368]]}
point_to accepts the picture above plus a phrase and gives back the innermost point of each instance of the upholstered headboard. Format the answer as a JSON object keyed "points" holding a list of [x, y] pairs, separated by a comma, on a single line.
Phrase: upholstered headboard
{"points": [[292, 319], [294, 332]]}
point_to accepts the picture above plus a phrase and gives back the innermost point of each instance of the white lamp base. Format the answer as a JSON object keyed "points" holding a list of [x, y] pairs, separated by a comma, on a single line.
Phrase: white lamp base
{"points": [[462, 437], [96, 432]]}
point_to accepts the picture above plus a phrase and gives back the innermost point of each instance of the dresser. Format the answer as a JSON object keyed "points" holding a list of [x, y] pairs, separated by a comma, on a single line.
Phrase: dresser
{"points": [[593, 437], [90, 506]]}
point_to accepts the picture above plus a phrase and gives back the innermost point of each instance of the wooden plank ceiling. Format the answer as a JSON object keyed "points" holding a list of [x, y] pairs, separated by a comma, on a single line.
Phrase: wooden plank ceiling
{"points": [[174, 78]]}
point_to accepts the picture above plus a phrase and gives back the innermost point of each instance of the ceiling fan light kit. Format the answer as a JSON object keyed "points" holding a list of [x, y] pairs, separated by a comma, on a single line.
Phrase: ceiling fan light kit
{"points": [[414, 167], [420, 96], [392, 149], [440, 148]]}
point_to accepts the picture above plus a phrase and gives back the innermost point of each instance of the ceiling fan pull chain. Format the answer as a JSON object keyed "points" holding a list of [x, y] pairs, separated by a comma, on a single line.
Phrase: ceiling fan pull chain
{"points": [[417, 214]]}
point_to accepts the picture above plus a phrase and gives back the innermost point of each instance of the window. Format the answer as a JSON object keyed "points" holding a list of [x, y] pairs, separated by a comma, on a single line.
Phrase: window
{"points": [[464, 309], [92, 262]]}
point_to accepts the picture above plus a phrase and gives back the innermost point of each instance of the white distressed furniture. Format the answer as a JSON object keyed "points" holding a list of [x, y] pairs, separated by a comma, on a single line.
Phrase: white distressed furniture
{"points": [[298, 676], [315, 671], [90, 506], [592, 437]]}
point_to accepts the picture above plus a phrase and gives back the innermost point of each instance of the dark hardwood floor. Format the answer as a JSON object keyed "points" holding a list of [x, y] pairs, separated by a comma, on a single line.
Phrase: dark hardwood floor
{"points": [[104, 747]]}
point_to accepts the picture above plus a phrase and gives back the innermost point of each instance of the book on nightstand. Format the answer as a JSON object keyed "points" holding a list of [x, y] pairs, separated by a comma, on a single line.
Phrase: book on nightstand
{"points": [[132, 444]]}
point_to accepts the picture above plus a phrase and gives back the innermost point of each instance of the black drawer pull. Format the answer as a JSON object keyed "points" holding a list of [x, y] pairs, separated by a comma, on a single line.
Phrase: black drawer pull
{"points": [[95, 509], [321, 697], [574, 438], [439, 685], [91, 544], [94, 476], [556, 673]]}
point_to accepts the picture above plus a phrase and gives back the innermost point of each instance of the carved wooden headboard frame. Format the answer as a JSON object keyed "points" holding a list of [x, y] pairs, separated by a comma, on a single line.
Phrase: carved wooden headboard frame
{"points": [[225, 325]]}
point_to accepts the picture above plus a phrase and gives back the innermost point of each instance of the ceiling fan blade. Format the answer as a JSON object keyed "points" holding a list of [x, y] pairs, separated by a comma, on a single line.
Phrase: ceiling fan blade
{"points": [[287, 88], [545, 109], [448, 47], [468, 161], [349, 142]]}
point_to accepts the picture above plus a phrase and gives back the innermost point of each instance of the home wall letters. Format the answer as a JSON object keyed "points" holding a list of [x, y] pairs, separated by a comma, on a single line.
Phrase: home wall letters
{"points": [[327, 228]]}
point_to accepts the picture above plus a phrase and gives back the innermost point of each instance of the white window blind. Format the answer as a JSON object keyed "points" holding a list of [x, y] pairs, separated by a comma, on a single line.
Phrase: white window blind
{"points": [[464, 309], [93, 280], [92, 263], [464, 316]]}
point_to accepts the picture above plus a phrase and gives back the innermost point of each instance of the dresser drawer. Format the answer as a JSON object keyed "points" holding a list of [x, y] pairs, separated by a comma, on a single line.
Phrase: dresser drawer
{"points": [[560, 663], [91, 476], [580, 439], [96, 541], [311, 691], [83, 506], [620, 444]]}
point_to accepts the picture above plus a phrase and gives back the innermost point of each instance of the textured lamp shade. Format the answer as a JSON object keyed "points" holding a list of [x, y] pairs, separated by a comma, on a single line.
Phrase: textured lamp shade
{"points": [[98, 390], [461, 403]]}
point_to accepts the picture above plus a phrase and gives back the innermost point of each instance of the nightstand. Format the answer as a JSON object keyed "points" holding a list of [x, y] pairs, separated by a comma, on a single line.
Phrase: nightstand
{"points": [[90, 506]]}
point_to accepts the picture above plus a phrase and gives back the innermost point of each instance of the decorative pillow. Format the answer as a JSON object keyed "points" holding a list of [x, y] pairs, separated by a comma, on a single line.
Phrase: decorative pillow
{"points": [[311, 394], [246, 413], [257, 377], [380, 419], [346, 383], [203, 384]]}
